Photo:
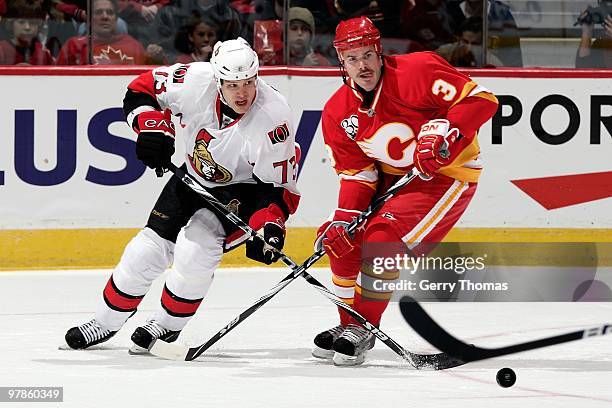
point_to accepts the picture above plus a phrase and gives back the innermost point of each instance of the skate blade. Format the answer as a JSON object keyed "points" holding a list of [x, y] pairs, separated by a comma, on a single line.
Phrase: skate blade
{"points": [[322, 353], [343, 360], [137, 350], [95, 347]]}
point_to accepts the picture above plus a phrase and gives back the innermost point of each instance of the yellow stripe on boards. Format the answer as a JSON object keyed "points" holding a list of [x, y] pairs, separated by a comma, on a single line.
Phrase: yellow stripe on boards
{"points": [[102, 248]]}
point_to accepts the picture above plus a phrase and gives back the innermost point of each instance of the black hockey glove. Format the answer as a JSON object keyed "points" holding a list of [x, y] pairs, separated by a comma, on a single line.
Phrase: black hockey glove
{"points": [[155, 143], [269, 223]]}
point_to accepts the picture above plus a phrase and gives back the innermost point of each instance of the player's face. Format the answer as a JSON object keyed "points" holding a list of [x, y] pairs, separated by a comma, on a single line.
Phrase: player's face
{"points": [[239, 95], [104, 18], [24, 30], [363, 65]]}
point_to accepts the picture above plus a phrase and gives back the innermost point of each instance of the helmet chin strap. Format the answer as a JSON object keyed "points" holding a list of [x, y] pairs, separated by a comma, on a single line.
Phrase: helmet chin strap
{"points": [[220, 90]]}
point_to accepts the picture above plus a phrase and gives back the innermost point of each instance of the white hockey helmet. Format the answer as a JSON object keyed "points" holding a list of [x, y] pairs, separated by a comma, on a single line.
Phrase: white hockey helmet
{"points": [[233, 60]]}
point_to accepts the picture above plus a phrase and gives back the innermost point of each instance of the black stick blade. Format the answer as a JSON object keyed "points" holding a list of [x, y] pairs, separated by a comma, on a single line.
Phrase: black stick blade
{"points": [[435, 335], [427, 328]]}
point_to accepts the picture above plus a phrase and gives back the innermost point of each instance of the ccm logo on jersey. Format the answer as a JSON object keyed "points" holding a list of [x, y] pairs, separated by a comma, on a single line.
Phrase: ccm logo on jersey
{"points": [[279, 134]]}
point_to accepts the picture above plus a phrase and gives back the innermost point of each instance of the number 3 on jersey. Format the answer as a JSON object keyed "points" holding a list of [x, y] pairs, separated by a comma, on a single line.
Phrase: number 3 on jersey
{"points": [[448, 91]]}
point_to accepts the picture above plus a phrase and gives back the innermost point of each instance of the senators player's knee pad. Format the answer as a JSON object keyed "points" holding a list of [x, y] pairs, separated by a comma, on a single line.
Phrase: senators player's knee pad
{"points": [[146, 257], [197, 255]]}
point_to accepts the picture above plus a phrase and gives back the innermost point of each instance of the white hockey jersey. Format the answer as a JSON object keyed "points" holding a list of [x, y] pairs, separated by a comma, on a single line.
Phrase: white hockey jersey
{"points": [[260, 143]]}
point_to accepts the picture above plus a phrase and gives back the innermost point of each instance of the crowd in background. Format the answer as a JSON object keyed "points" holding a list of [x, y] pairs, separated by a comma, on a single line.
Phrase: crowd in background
{"points": [[156, 32]]}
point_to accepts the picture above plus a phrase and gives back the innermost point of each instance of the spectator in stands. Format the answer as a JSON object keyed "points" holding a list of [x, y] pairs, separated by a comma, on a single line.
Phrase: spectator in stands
{"points": [[172, 17], [59, 28], [504, 39], [75, 10], [22, 21], [3, 35], [245, 9], [197, 39], [108, 46], [300, 37], [139, 16], [243, 6], [266, 25], [386, 14], [430, 23], [467, 50], [268, 9], [595, 53]]}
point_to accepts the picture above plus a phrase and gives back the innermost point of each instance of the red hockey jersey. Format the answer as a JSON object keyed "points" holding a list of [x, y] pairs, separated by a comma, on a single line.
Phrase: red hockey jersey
{"points": [[122, 49], [415, 88], [36, 54]]}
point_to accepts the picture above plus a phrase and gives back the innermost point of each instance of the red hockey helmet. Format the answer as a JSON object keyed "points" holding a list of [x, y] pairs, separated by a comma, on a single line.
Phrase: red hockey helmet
{"points": [[355, 33]]}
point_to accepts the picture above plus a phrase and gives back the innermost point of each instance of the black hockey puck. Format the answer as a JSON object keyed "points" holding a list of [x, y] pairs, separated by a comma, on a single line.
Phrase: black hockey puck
{"points": [[506, 377]]}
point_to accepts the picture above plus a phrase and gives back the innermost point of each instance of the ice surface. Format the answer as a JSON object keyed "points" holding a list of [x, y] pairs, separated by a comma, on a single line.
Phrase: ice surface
{"points": [[266, 362]]}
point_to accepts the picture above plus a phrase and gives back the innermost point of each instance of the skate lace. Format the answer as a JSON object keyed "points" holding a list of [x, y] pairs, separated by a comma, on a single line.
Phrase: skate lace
{"points": [[155, 329], [92, 331], [355, 334], [337, 331]]}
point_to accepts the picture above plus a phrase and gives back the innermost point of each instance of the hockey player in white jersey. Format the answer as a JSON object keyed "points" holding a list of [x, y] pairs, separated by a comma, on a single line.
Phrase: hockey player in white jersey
{"points": [[239, 140]]}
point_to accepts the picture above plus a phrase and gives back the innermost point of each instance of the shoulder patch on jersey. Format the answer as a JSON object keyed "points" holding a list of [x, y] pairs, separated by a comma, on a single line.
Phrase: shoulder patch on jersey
{"points": [[178, 77], [279, 134], [350, 126]]}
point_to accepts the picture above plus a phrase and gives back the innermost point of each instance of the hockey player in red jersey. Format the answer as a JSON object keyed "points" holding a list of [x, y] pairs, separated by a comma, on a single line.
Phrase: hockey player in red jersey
{"points": [[392, 114], [239, 139]]}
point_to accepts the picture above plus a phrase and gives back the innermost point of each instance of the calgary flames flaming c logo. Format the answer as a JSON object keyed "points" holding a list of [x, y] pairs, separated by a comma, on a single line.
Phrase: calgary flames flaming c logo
{"points": [[203, 162]]}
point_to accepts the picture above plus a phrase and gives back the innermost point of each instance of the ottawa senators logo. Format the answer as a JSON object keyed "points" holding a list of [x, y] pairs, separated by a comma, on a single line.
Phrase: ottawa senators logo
{"points": [[350, 126], [279, 134], [178, 77], [203, 162]]}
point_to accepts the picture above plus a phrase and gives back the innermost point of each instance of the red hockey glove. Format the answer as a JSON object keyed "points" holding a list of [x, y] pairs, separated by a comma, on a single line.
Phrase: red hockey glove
{"points": [[434, 139], [155, 143], [332, 235], [269, 222]]}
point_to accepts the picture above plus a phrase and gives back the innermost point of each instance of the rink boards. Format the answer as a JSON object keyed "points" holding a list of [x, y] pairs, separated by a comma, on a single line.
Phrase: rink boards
{"points": [[72, 192]]}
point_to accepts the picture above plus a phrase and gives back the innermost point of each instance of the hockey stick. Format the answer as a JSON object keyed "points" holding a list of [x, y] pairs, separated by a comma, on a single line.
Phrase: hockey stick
{"points": [[176, 352], [431, 331]]}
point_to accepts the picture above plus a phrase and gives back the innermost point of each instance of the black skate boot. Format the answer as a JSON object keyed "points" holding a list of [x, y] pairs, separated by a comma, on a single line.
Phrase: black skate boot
{"points": [[352, 345], [143, 336], [87, 334], [324, 342]]}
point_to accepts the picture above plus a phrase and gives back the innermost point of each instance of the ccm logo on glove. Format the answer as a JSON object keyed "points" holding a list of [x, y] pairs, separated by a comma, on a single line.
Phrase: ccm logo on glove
{"points": [[155, 124], [155, 143]]}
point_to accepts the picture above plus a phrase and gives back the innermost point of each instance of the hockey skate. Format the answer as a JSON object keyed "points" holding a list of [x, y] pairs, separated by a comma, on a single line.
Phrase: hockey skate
{"points": [[352, 345], [143, 337], [324, 342], [87, 335]]}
